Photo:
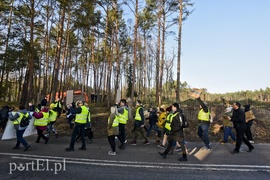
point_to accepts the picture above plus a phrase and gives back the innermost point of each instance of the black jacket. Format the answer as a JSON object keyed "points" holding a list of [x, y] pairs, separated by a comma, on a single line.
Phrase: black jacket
{"points": [[239, 119]]}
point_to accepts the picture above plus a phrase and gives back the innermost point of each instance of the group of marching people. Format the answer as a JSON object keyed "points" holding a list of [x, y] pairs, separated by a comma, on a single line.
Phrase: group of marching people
{"points": [[44, 120]]}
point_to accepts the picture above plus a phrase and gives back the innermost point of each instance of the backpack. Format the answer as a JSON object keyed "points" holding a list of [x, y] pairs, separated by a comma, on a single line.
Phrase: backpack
{"points": [[183, 121], [24, 121]]}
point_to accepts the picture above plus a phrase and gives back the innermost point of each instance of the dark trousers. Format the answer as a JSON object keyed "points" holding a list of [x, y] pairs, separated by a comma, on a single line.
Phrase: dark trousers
{"points": [[20, 139], [171, 143], [40, 135], [122, 133], [137, 131], [248, 131], [111, 140], [239, 138], [79, 128]]}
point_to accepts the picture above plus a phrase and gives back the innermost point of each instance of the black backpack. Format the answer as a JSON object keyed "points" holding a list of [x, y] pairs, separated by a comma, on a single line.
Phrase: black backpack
{"points": [[183, 121], [24, 121]]}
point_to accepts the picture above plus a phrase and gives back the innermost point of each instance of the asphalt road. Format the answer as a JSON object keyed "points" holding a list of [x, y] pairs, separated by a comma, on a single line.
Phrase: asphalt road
{"points": [[51, 161]]}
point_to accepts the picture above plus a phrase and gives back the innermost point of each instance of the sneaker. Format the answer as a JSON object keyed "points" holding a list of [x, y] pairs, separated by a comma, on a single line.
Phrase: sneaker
{"points": [[16, 147], [163, 155], [161, 146], [235, 152], [178, 149], [122, 146], [112, 153], [27, 147], [182, 159], [125, 141], [69, 149], [133, 143], [250, 149], [146, 142], [90, 141], [222, 143], [83, 149], [251, 142]]}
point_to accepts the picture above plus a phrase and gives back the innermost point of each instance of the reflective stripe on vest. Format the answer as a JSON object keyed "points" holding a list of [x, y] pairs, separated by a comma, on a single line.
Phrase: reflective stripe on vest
{"points": [[123, 118], [115, 121], [42, 121], [53, 115], [168, 122], [138, 116], [18, 120], [82, 117], [203, 116]]}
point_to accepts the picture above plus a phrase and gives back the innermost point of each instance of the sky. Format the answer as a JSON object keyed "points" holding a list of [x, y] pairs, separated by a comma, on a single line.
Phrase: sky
{"points": [[226, 45]]}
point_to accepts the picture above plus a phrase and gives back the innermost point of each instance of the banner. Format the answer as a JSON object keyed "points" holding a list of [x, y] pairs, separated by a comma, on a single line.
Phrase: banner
{"points": [[10, 132]]}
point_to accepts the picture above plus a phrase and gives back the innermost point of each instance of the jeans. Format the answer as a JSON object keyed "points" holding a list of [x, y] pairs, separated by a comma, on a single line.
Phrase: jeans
{"points": [[227, 133], [51, 127], [78, 128], [203, 133], [20, 139], [152, 126]]}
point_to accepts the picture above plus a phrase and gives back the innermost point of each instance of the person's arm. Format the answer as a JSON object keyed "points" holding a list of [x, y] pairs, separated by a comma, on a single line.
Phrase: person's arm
{"points": [[112, 116], [38, 115], [204, 107], [13, 117], [77, 111]]}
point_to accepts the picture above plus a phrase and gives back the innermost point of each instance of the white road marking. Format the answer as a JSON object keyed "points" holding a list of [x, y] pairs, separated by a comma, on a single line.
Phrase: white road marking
{"points": [[181, 166]]}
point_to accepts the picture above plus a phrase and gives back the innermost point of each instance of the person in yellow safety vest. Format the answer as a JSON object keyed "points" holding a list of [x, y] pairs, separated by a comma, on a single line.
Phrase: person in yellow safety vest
{"points": [[123, 118], [161, 125], [112, 129], [167, 127], [58, 106], [81, 120], [204, 123], [41, 122], [177, 133], [53, 114], [139, 124], [16, 118]]}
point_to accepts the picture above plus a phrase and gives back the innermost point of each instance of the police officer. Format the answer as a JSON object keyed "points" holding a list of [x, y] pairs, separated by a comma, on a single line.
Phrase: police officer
{"points": [[81, 119]]}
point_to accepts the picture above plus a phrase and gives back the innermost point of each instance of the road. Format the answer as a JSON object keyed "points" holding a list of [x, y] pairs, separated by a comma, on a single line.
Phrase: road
{"points": [[43, 161]]}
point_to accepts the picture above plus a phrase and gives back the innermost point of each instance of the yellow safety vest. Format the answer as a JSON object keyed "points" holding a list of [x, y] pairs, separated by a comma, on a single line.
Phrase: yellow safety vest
{"points": [[137, 115], [42, 121], [168, 122], [203, 116], [18, 120], [115, 121], [53, 115], [82, 117], [123, 118]]}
